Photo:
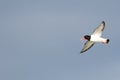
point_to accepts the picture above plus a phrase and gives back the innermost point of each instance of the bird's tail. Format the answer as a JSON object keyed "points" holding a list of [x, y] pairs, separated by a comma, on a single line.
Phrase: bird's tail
{"points": [[107, 41]]}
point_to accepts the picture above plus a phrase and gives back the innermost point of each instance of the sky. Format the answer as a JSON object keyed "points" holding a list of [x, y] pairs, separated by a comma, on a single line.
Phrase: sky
{"points": [[40, 40]]}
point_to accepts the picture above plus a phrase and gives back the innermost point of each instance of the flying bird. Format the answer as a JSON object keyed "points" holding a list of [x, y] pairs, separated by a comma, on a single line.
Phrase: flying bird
{"points": [[95, 37]]}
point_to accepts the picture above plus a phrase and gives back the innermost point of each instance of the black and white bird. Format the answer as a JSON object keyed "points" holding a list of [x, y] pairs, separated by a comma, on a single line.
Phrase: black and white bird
{"points": [[95, 37]]}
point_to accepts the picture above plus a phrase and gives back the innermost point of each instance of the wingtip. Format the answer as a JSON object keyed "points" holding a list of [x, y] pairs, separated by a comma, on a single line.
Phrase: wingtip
{"points": [[103, 22], [81, 52]]}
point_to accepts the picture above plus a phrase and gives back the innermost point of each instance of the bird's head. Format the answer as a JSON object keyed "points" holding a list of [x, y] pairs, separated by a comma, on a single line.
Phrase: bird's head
{"points": [[86, 37]]}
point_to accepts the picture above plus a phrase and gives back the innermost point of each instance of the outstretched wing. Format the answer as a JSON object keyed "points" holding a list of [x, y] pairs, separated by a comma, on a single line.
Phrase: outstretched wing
{"points": [[87, 46], [98, 31]]}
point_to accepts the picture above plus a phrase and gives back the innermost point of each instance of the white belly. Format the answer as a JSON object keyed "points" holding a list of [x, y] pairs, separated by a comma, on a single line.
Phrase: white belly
{"points": [[97, 39]]}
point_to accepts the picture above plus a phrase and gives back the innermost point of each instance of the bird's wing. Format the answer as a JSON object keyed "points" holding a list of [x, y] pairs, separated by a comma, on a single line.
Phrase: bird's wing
{"points": [[87, 46], [98, 31]]}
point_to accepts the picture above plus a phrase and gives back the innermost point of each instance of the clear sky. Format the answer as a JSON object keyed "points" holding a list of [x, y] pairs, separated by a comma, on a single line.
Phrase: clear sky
{"points": [[40, 40]]}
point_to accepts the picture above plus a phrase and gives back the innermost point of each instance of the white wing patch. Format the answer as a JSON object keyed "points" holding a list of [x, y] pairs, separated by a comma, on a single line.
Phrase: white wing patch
{"points": [[98, 31]]}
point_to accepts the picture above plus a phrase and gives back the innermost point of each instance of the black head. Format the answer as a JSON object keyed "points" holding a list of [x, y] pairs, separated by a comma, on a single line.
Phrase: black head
{"points": [[87, 37]]}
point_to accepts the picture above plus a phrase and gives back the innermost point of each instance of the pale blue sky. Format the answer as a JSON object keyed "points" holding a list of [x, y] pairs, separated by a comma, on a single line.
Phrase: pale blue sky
{"points": [[40, 40]]}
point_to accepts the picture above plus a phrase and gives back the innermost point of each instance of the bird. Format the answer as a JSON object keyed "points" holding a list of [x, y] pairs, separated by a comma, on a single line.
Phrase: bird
{"points": [[95, 37]]}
